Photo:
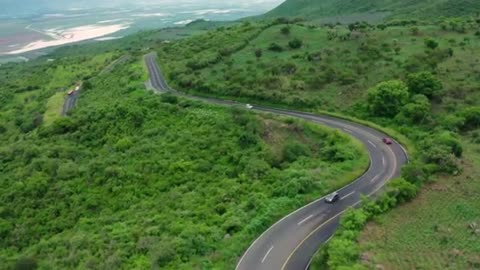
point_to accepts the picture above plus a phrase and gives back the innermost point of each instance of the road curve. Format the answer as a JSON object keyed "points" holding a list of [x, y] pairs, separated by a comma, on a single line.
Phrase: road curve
{"points": [[290, 243], [69, 103]]}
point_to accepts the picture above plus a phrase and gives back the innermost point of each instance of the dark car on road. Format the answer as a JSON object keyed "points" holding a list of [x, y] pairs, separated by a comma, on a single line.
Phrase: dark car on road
{"points": [[332, 197], [387, 141]]}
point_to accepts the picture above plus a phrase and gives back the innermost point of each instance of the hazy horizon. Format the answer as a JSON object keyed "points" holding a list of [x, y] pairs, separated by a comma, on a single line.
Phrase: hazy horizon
{"points": [[20, 8], [38, 24]]}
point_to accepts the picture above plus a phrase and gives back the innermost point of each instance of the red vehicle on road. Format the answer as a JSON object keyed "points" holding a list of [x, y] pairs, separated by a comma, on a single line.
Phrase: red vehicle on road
{"points": [[387, 141]]}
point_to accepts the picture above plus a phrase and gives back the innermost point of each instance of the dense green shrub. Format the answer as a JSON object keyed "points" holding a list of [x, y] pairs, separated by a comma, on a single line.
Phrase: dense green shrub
{"points": [[471, 118], [295, 44], [274, 47], [387, 98], [285, 30], [402, 190], [424, 83], [415, 112], [431, 43]]}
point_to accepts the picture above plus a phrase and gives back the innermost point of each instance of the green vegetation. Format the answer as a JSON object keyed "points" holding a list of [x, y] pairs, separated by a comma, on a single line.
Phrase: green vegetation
{"points": [[331, 70], [134, 180], [348, 10], [418, 79], [54, 108], [440, 229]]}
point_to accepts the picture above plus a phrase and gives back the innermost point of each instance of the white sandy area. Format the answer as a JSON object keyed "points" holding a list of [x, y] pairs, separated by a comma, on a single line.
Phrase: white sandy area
{"points": [[72, 35], [209, 11], [151, 15], [183, 22], [110, 21], [108, 38]]}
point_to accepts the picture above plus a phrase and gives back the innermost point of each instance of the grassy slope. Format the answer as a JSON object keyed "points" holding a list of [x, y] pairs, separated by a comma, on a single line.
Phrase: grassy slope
{"points": [[133, 180], [335, 82], [433, 231], [313, 9], [54, 108], [242, 76]]}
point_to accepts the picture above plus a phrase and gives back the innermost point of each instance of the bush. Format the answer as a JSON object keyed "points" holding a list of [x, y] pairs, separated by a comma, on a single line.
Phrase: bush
{"points": [[295, 44], [26, 264], [62, 126], [274, 47], [387, 98], [415, 112], [258, 53], [424, 83], [285, 30], [293, 150], [471, 118], [442, 157], [341, 253], [415, 173], [431, 43], [353, 220], [402, 190], [169, 98], [449, 139]]}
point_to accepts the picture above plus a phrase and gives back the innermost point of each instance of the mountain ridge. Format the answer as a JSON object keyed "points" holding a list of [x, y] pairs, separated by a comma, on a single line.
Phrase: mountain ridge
{"points": [[428, 9]]}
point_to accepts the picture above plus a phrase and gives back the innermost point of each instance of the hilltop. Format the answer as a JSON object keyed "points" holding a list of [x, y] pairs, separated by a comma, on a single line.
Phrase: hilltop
{"points": [[390, 9]]}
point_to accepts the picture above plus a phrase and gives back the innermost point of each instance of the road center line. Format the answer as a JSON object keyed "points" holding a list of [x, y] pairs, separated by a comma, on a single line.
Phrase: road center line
{"points": [[370, 142], [375, 178], [383, 160], [348, 195], [303, 221], [266, 255], [347, 130]]}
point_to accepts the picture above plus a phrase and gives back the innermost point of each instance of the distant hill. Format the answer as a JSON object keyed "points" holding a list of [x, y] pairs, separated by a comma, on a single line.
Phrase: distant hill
{"points": [[316, 9]]}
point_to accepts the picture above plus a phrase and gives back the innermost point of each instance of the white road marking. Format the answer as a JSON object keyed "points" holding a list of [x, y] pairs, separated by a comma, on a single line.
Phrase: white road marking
{"points": [[347, 130], [266, 255], [370, 142], [303, 221], [375, 178], [348, 195], [384, 161]]}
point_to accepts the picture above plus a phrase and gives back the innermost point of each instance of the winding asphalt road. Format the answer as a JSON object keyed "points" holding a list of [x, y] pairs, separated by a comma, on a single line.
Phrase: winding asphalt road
{"points": [[290, 243], [69, 103]]}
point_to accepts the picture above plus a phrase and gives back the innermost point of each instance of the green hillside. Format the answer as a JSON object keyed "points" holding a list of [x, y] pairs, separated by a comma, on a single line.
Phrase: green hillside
{"points": [[419, 79], [314, 9], [134, 180]]}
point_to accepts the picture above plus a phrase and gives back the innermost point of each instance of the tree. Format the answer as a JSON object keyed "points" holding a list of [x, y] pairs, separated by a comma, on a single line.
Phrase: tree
{"points": [[382, 26], [295, 44], [341, 252], [451, 140], [258, 53], [387, 98], [397, 50], [354, 220], [431, 43], [415, 172], [416, 111], [274, 47], [285, 30], [403, 190], [415, 30], [471, 118], [424, 83]]}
